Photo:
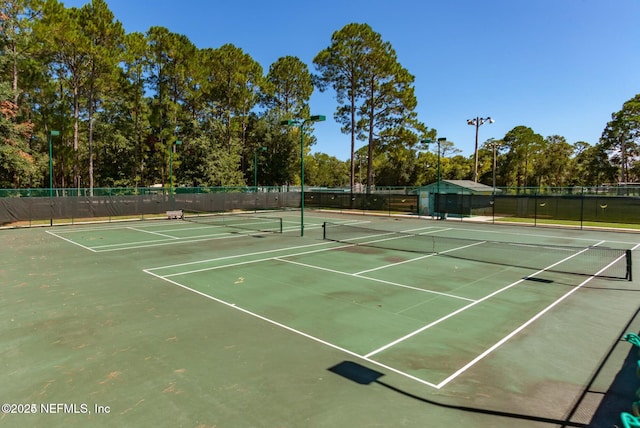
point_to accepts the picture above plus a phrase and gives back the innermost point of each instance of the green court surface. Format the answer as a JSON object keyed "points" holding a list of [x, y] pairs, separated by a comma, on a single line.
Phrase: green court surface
{"points": [[174, 323]]}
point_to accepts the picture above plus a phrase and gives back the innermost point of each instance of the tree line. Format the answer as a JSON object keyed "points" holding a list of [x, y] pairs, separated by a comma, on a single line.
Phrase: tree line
{"points": [[117, 109]]}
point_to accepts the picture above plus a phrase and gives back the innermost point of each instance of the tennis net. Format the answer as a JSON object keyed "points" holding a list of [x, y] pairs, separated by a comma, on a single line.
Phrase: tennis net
{"points": [[590, 261], [237, 221]]}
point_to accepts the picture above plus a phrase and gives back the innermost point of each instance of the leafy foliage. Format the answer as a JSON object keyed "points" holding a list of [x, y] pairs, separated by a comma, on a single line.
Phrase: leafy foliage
{"points": [[621, 138], [121, 101]]}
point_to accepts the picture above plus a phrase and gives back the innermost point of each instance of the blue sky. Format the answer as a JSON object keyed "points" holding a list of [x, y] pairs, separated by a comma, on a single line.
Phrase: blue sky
{"points": [[561, 67]]}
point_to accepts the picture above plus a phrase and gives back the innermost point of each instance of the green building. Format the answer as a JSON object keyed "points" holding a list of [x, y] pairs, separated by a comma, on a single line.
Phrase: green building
{"points": [[456, 197]]}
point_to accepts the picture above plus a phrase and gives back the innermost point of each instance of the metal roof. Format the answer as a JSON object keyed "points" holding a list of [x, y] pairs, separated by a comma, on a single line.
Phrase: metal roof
{"points": [[468, 185]]}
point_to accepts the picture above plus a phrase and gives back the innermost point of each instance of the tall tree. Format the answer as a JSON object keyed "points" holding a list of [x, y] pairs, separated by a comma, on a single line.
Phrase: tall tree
{"points": [[104, 54], [487, 164], [18, 18], [340, 66], [68, 49], [388, 109], [621, 137], [394, 168], [375, 92], [555, 162], [592, 165], [288, 87], [170, 59], [326, 171], [19, 165], [286, 90], [524, 148], [230, 89], [135, 110], [236, 89]]}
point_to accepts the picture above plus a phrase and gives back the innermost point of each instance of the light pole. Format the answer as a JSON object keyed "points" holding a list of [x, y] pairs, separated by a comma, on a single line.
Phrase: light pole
{"points": [[255, 167], [51, 135], [301, 123], [440, 141], [477, 122]]}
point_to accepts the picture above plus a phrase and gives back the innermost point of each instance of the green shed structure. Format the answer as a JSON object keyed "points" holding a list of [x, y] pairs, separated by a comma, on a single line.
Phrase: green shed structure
{"points": [[457, 198]]}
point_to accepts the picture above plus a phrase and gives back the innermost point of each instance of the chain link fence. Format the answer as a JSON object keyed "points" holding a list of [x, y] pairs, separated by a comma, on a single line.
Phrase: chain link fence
{"points": [[615, 204], [29, 207]]}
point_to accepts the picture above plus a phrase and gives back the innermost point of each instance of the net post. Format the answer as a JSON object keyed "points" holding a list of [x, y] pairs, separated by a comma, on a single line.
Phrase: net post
{"points": [[280, 221], [629, 265], [324, 230]]}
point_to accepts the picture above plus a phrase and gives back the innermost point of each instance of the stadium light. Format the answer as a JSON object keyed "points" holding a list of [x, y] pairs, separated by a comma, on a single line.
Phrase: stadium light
{"points": [[477, 122], [300, 123]]}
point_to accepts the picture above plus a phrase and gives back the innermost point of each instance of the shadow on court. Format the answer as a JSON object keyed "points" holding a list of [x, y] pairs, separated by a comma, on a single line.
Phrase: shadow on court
{"points": [[604, 405], [621, 393], [365, 376]]}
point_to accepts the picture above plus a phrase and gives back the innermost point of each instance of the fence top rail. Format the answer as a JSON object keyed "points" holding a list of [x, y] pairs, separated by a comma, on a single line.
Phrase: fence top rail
{"points": [[602, 190], [132, 191]]}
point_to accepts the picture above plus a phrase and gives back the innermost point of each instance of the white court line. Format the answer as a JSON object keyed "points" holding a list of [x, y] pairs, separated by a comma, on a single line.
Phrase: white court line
{"points": [[365, 357], [291, 255], [162, 242], [151, 232], [240, 255], [123, 246], [188, 226], [526, 324], [258, 253], [537, 235], [420, 330], [127, 244], [420, 258], [438, 229], [415, 259], [246, 262], [394, 235], [75, 228], [395, 284], [293, 330], [72, 242], [171, 240]]}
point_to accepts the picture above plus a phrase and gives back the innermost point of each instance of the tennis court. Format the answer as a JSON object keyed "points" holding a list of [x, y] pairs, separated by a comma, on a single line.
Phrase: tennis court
{"points": [[239, 321]]}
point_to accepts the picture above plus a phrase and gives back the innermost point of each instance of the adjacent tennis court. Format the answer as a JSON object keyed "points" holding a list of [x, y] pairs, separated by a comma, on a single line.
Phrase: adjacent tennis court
{"points": [[236, 320]]}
